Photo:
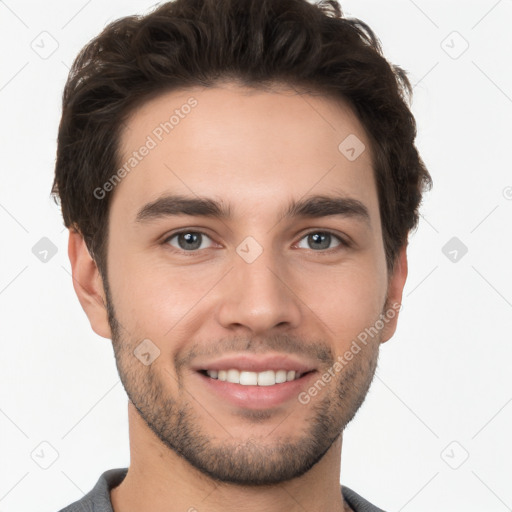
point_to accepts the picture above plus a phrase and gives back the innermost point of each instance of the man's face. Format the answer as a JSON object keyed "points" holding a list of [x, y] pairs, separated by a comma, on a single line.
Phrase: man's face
{"points": [[256, 294]]}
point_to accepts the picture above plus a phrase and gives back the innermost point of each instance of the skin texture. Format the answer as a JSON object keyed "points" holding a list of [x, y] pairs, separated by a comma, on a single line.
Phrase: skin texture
{"points": [[254, 151]]}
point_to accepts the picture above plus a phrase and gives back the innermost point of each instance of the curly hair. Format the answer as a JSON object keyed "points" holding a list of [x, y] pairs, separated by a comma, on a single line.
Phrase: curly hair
{"points": [[256, 43]]}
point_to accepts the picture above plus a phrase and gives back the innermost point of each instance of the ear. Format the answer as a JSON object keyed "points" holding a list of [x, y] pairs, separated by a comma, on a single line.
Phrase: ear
{"points": [[88, 284], [396, 283]]}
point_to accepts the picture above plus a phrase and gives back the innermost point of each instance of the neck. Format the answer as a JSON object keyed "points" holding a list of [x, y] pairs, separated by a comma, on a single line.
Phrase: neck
{"points": [[159, 480]]}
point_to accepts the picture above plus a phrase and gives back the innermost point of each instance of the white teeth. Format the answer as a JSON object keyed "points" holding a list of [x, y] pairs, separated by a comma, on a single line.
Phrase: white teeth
{"points": [[233, 376], [280, 376], [265, 378], [248, 378]]}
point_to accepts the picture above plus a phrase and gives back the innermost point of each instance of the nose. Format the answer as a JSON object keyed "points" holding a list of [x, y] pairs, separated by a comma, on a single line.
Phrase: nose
{"points": [[259, 296]]}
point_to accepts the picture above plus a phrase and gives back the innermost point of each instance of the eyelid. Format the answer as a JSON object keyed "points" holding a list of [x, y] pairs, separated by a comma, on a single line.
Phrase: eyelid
{"points": [[168, 237], [344, 241]]}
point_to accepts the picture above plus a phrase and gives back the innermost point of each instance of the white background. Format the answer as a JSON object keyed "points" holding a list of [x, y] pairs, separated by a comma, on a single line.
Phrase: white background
{"points": [[443, 390]]}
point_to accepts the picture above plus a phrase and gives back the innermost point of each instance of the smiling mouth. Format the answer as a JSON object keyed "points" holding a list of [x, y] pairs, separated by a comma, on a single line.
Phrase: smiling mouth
{"points": [[247, 378]]}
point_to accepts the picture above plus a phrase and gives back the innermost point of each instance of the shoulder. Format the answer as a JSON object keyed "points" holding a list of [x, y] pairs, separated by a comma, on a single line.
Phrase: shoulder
{"points": [[98, 498], [357, 502]]}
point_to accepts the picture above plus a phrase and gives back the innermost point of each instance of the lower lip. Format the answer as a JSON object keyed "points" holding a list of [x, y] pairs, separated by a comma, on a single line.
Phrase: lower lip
{"points": [[256, 397]]}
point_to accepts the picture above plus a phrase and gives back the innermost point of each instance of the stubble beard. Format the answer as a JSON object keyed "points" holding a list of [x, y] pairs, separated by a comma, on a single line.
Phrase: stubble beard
{"points": [[179, 422]]}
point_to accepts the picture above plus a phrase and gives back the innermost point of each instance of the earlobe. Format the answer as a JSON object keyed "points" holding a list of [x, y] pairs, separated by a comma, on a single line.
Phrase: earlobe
{"points": [[88, 284], [396, 285]]}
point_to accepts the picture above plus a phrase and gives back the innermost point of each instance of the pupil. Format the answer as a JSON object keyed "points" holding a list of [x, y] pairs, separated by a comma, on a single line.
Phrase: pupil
{"points": [[320, 240], [191, 241]]}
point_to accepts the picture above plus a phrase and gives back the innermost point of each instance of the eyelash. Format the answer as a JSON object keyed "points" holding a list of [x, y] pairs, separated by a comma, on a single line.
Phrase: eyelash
{"points": [[343, 243]]}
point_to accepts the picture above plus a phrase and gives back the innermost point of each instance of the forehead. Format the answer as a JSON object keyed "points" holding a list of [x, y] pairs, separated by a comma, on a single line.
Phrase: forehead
{"points": [[250, 148]]}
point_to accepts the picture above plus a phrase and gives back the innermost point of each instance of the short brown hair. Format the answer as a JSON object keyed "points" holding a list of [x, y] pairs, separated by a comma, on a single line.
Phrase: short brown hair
{"points": [[257, 43]]}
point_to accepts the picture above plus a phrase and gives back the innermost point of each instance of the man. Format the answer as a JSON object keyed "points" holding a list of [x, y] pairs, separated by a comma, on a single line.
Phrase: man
{"points": [[239, 179]]}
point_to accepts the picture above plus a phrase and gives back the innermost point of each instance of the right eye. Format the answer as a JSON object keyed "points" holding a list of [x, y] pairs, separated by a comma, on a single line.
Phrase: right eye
{"points": [[188, 241]]}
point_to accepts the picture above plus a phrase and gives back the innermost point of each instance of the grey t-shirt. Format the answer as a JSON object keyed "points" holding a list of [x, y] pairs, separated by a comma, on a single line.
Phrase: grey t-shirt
{"points": [[98, 499]]}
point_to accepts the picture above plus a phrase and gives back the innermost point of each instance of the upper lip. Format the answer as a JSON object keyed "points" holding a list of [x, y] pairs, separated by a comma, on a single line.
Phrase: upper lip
{"points": [[254, 363]]}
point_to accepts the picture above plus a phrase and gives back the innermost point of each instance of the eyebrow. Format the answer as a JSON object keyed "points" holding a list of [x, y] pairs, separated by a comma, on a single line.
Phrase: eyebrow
{"points": [[310, 207]]}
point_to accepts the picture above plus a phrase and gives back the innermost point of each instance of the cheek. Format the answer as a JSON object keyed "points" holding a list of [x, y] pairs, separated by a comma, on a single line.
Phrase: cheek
{"points": [[155, 300], [347, 299], [152, 298]]}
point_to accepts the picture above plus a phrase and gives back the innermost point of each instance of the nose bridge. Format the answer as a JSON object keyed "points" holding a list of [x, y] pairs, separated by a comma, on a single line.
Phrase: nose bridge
{"points": [[257, 295]]}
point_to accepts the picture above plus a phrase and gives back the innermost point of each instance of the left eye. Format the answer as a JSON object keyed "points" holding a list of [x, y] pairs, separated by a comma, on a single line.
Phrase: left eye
{"points": [[188, 240], [321, 240]]}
